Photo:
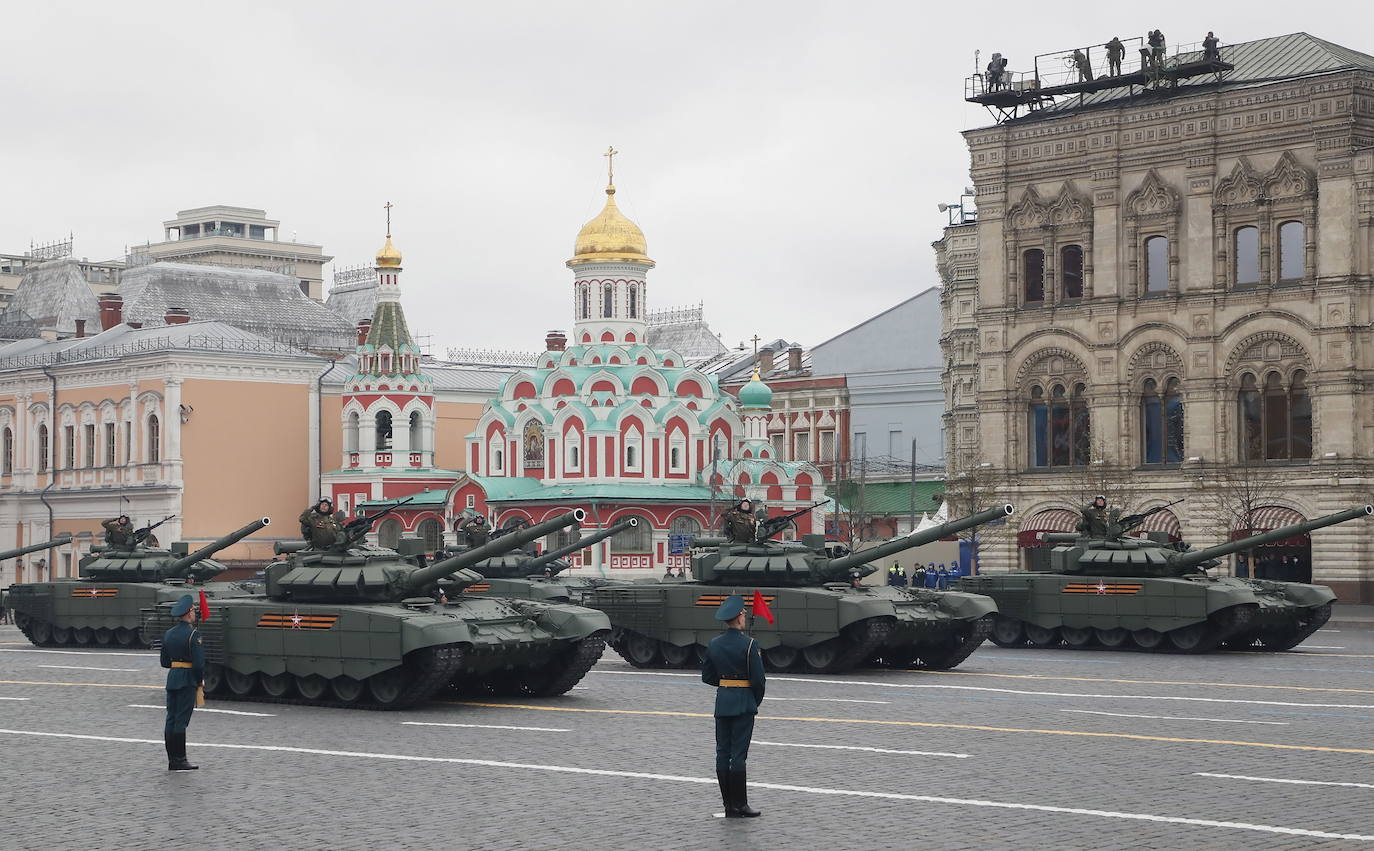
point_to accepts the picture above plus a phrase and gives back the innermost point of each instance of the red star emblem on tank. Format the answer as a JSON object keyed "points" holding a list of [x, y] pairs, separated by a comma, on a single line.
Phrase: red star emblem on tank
{"points": [[93, 593], [1101, 587], [296, 620]]}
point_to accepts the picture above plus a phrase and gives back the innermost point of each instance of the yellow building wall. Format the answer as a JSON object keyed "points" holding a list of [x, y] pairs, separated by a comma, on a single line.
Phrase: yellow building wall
{"points": [[246, 454], [453, 421], [331, 430]]}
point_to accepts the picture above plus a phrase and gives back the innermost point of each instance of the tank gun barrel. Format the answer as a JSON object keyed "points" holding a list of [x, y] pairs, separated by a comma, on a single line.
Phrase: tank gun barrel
{"points": [[181, 565], [1192, 558], [916, 539], [582, 543], [1059, 537], [495, 547], [64, 538]]}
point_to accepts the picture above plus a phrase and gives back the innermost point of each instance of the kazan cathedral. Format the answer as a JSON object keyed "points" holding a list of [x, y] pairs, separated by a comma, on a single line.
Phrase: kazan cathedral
{"points": [[604, 423]]}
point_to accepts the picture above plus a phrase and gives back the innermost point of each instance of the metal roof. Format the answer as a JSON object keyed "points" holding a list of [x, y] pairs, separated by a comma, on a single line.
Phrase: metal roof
{"points": [[123, 341], [55, 294], [526, 489]]}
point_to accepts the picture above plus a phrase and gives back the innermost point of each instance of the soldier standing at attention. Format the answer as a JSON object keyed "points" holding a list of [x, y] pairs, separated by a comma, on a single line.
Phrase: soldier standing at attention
{"points": [[1097, 517], [475, 531], [318, 526], [119, 532], [739, 523], [184, 656], [734, 665]]}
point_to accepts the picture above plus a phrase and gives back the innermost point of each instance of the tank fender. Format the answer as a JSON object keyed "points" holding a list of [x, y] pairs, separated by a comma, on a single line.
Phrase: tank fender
{"points": [[962, 604], [564, 621], [852, 608], [427, 630], [1309, 595]]}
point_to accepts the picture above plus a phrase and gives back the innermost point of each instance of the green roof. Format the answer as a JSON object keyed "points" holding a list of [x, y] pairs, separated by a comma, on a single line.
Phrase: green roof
{"points": [[527, 488], [887, 498], [422, 499]]}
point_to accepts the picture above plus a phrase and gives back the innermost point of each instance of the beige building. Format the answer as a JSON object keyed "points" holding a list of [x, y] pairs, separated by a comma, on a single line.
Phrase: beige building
{"points": [[1170, 289]]}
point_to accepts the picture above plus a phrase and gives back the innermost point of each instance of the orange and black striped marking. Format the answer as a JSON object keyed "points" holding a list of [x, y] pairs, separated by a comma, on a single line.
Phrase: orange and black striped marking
{"points": [[296, 620], [1103, 588], [717, 599], [95, 592], [478, 589]]}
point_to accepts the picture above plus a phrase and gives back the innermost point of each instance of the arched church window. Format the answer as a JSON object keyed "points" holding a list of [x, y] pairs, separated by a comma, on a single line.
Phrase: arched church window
{"points": [[389, 533], [1276, 419], [607, 300], [432, 534], [1059, 426], [383, 426], [718, 447], [532, 442], [634, 456], [351, 433], [585, 302], [634, 302], [1161, 422], [574, 453], [416, 433], [677, 453], [154, 440]]}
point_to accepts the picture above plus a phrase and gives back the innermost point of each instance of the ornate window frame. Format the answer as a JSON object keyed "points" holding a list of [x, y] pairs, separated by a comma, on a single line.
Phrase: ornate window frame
{"points": [[1032, 223], [1151, 210], [1258, 355], [1287, 193]]}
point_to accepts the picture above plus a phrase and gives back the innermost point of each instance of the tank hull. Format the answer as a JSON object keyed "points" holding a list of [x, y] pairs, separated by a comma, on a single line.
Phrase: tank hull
{"points": [[82, 612], [1194, 614], [820, 629], [391, 655]]}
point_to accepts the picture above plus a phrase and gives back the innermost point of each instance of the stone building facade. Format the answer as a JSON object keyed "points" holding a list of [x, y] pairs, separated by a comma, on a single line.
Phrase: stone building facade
{"points": [[1175, 286]]}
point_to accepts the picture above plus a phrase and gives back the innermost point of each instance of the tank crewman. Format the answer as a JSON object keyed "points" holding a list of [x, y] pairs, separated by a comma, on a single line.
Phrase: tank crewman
{"points": [[734, 665], [184, 657], [739, 524], [318, 526], [475, 531], [1097, 518], [119, 531]]}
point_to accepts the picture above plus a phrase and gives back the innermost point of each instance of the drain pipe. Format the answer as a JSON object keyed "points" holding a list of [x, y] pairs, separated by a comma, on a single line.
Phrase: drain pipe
{"points": [[319, 428], [52, 450]]}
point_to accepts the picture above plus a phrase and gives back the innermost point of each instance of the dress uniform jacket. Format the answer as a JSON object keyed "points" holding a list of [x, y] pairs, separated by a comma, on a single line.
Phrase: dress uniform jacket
{"points": [[321, 530], [182, 643], [732, 655]]}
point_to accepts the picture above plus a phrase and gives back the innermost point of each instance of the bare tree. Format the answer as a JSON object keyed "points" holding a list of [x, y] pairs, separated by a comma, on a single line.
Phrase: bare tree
{"points": [[1099, 477], [972, 486], [1237, 491]]}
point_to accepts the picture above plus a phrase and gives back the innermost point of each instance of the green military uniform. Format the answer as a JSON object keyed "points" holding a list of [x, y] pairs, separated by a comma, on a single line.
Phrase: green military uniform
{"points": [[319, 528], [117, 533], [734, 665], [476, 531], [183, 654], [1097, 519], [740, 526]]}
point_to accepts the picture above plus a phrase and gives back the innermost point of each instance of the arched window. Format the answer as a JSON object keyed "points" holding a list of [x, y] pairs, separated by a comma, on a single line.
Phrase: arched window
{"points": [[1033, 273], [686, 525], [564, 537], [638, 540], [677, 453], [6, 452], [1247, 251], [416, 435], [1161, 422], [585, 307], [1157, 264], [432, 533], [1276, 418], [634, 450], [351, 432], [1059, 426], [1071, 271], [42, 447], [154, 440], [634, 302], [607, 300], [1292, 251], [383, 425], [389, 533], [573, 461], [532, 444]]}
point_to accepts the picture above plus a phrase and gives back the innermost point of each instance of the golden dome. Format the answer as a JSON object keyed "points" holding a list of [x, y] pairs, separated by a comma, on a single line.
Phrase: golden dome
{"points": [[389, 256], [610, 236]]}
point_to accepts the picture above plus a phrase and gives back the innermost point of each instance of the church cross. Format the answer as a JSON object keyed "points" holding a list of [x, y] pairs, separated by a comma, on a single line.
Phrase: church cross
{"points": [[610, 163], [387, 205], [755, 340]]}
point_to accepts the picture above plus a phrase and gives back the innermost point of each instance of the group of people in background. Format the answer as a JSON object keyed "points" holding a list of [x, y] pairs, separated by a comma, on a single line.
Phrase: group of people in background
{"points": [[938, 577]]}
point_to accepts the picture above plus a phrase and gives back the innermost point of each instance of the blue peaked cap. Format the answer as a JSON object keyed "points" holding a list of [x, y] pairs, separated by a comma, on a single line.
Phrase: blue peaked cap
{"points": [[733, 605], [183, 605]]}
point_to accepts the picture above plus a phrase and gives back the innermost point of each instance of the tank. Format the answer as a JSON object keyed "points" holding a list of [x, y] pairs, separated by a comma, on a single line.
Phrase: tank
{"points": [[1120, 592], [538, 577], [826, 620], [65, 538], [366, 627], [103, 605]]}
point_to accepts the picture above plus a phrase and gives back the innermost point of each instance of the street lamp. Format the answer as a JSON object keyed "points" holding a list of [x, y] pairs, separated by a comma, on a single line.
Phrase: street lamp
{"points": [[965, 215]]}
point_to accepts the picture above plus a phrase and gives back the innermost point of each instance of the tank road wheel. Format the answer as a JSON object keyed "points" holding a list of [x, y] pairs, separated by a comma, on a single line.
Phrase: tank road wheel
{"points": [[780, 658], [1147, 639], [61, 635], [312, 686], [346, 689], [83, 635], [125, 637], [1194, 638], [1007, 632], [387, 687], [962, 640], [240, 685], [1040, 636], [564, 673], [640, 650], [104, 636], [40, 632], [214, 678], [277, 685], [1111, 638], [1076, 637], [674, 656], [821, 658]]}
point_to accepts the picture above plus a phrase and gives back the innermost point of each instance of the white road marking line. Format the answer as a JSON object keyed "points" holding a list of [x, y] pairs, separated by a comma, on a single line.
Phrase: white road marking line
{"points": [[1328, 630], [13, 698], [1322, 647], [203, 709], [829, 700], [71, 652], [86, 668], [1285, 780], [1066, 694], [1175, 717], [711, 781], [864, 749], [487, 726]]}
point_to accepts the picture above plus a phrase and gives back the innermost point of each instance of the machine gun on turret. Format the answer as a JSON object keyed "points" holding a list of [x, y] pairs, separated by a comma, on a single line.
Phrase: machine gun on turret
{"points": [[141, 535], [1130, 521], [773, 525], [357, 528]]}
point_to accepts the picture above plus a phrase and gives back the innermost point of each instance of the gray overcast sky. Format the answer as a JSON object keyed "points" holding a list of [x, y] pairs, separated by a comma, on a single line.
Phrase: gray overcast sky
{"points": [[783, 158]]}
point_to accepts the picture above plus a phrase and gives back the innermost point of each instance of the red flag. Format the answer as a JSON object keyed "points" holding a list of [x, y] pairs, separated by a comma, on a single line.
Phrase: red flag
{"points": [[760, 607], [204, 607]]}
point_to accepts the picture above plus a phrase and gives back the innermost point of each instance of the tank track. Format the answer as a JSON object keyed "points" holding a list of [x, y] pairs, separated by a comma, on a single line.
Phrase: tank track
{"points": [[863, 639], [1228, 629], [31, 625], [971, 636], [570, 669], [438, 667], [1287, 637]]}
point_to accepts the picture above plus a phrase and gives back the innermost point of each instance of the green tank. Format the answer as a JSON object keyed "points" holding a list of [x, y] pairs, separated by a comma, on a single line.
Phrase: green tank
{"points": [[103, 606], [826, 620], [1127, 593], [537, 577], [365, 627]]}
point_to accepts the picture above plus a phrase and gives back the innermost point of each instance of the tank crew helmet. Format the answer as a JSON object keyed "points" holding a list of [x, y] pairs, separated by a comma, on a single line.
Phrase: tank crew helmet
{"points": [[1100, 501], [745, 504], [182, 606], [123, 518], [324, 500], [731, 608]]}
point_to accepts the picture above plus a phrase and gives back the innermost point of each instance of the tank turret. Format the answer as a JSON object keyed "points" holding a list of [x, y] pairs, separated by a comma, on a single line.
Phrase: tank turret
{"points": [[777, 564], [64, 538], [519, 565], [148, 564], [375, 574]]}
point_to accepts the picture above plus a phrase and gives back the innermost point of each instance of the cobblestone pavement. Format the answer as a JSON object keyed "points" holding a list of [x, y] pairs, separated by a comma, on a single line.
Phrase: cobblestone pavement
{"points": [[1015, 749]]}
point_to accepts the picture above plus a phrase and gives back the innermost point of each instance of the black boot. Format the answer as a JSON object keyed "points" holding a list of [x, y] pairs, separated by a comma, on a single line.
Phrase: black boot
{"points": [[167, 740], [723, 778], [179, 761], [739, 793]]}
